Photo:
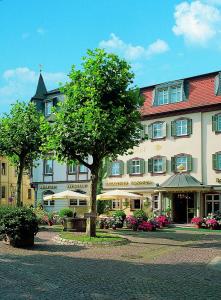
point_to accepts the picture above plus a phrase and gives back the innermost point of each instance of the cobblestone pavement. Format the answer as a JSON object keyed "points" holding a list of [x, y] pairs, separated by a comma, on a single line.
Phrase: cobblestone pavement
{"points": [[166, 264]]}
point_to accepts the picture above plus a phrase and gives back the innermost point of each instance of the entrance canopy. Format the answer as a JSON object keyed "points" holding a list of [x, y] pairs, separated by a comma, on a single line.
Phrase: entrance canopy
{"points": [[118, 195], [66, 195]]}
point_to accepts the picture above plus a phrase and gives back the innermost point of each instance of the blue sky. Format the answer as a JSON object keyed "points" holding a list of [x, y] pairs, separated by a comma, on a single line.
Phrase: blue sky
{"points": [[162, 39]]}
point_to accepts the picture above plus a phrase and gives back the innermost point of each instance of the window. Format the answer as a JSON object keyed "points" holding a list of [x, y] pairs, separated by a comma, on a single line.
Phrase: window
{"points": [[181, 163], [135, 166], [136, 204], [82, 202], [29, 194], [116, 204], [155, 204], [213, 203], [48, 202], [168, 94], [157, 130], [181, 127], [75, 202], [48, 166], [3, 168], [216, 123], [115, 169], [48, 106], [72, 169], [83, 169], [217, 161], [3, 192], [157, 164]]}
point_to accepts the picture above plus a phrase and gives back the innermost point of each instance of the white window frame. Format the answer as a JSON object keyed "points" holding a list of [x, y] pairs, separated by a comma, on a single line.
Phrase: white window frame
{"points": [[212, 200], [181, 127], [157, 132], [168, 94], [115, 168], [83, 169], [72, 169], [155, 202], [157, 162], [116, 204], [78, 202], [50, 170], [135, 166], [182, 162], [49, 203], [48, 107]]}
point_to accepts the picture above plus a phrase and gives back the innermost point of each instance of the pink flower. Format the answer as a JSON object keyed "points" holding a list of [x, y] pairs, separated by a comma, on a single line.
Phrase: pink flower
{"points": [[197, 220]]}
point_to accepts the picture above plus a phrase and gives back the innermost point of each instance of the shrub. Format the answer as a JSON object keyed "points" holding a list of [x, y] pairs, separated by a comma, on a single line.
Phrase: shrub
{"points": [[197, 220], [66, 212], [140, 214], [146, 226], [17, 223], [162, 220], [119, 214]]}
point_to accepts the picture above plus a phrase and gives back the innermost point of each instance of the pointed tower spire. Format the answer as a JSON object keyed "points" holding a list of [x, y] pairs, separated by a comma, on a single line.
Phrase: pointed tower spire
{"points": [[41, 88]]}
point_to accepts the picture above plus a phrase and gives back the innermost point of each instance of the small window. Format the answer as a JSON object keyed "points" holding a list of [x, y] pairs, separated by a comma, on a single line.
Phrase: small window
{"points": [[49, 202], [181, 127], [168, 94], [115, 168], [48, 167], [135, 166], [157, 130], [136, 204], [157, 164], [83, 169], [181, 163], [155, 202], [48, 107], [73, 202], [72, 169], [82, 202], [3, 168], [116, 204], [3, 192], [29, 194]]}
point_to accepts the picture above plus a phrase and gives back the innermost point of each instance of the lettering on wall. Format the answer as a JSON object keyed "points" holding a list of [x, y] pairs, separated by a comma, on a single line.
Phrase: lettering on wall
{"points": [[126, 183], [47, 187], [75, 186]]}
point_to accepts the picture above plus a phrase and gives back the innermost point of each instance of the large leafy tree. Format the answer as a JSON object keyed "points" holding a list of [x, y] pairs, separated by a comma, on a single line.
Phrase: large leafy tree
{"points": [[21, 138], [99, 117]]}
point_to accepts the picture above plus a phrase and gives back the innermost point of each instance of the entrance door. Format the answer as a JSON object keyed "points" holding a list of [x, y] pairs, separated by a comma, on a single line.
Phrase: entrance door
{"points": [[183, 207]]}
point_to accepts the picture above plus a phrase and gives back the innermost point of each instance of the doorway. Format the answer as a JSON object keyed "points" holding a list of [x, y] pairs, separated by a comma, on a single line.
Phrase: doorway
{"points": [[183, 207]]}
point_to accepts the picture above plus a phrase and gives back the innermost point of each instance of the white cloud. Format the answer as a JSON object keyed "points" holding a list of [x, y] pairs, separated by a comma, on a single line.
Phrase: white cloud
{"points": [[131, 52], [41, 31], [197, 22], [21, 83]]}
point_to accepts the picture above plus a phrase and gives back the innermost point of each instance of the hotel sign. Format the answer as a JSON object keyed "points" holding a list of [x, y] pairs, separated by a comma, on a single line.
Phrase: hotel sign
{"points": [[47, 187], [77, 186], [126, 183]]}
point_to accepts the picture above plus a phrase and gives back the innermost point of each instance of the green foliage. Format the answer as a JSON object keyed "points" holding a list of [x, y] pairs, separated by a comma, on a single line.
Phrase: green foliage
{"points": [[119, 213], [66, 212], [17, 223], [140, 214]]}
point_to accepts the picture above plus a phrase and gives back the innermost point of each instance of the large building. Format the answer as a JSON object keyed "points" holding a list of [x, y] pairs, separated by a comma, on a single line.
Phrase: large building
{"points": [[50, 176], [178, 169], [8, 182]]}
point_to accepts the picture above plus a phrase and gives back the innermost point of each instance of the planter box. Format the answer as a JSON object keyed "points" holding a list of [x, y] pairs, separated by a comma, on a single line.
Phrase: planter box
{"points": [[26, 241], [75, 224]]}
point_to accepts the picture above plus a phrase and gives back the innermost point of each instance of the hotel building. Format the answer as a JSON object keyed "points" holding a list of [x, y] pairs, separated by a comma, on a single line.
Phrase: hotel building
{"points": [[178, 169]]}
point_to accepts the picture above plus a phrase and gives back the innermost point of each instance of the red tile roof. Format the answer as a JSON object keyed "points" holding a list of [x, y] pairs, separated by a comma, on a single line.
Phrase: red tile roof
{"points": [[201, 93]]}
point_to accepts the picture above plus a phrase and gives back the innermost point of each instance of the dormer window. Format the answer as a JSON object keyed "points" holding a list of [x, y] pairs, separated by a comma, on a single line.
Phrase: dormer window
{"points": [[48, 107], [167, 93]]}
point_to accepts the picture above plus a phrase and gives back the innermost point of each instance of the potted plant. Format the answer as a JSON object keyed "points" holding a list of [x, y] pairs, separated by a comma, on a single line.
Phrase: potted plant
{"points": [[67, 217], [132, 222], [119, 217], [212, 223], [198, 221], [162, 221], [18, 226]]}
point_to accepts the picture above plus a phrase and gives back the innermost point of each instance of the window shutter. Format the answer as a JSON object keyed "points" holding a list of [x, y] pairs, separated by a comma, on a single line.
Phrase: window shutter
{"points": [[215, 161], [189, 126], [164, 162], [142, 166], [189, 163], [150, 131], [121, 167], [217, 85], [150, 165], [109, 168], [173, 164], [164, 129], [129, 166], [173, 128], [215, 123], [142, 132], [186, 88]]}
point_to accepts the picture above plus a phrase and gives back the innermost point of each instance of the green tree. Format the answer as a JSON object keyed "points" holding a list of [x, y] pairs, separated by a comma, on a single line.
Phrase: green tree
{"points": [[99, 117], [21, 138]]}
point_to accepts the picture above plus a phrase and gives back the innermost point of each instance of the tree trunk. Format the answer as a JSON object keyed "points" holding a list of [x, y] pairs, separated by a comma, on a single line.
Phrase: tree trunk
{"points": [[19, 183], [91, 221]]}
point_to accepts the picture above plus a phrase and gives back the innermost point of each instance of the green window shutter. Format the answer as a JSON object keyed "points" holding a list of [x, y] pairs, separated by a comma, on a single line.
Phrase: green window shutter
{"points": [[186, 88], [142, 132], [215, 161], [189, 126], [109, 168], [164, 129], [164, 161], [129, 167], [142, 166], [150, 165], [189, 163], [215, 123], [217, 85], [173, 128], [121, 167], [150, 131], [173, 164]]}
